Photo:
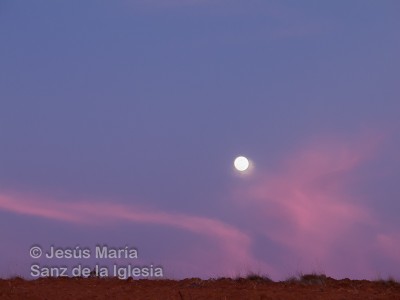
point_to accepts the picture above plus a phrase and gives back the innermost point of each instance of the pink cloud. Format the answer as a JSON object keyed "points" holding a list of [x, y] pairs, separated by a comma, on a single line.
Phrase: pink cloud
{"points": [[43, 209], [306, 207], [234, 245]]}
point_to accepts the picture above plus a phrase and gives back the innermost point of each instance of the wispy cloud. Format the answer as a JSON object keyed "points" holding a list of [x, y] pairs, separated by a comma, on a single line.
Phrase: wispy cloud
{"points": [[307, 209], [234, 244]]}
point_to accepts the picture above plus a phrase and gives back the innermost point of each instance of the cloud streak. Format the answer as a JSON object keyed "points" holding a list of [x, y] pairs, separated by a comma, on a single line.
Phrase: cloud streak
{"points": [[234, 244], [305, 209]]}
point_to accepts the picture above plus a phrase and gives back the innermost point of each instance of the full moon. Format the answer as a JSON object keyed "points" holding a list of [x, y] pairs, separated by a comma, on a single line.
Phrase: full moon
{"points": [[241, 163]]}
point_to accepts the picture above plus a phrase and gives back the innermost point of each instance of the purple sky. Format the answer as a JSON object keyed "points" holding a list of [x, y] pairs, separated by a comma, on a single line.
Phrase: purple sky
{"points": [[120, 121]]}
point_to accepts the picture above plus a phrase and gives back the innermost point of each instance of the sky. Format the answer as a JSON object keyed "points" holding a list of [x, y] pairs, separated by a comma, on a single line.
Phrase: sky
{"points": [[120, 121]]}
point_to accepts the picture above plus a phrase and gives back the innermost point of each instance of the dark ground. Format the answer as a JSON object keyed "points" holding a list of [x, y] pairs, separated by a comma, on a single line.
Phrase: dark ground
{"points": [[257, 288]]}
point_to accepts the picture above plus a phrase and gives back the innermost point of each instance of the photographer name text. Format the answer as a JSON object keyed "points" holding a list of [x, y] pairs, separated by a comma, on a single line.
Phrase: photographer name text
{"points": [[100, 252]]}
